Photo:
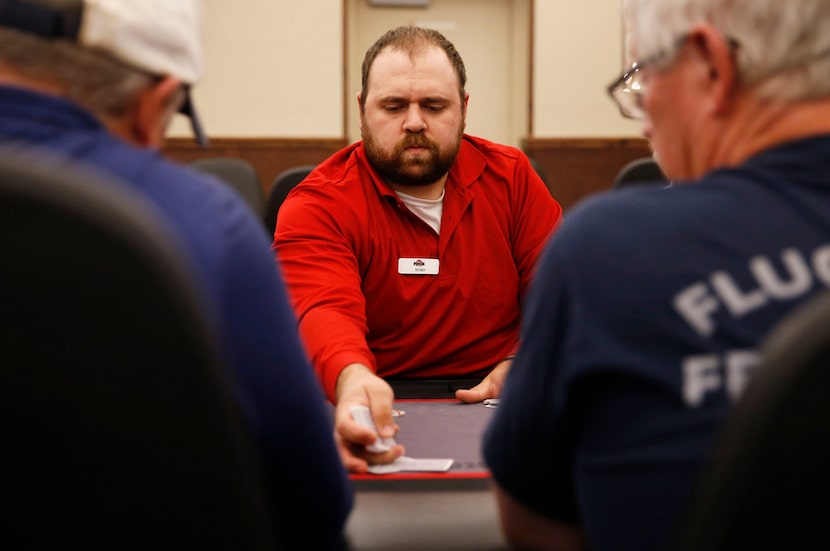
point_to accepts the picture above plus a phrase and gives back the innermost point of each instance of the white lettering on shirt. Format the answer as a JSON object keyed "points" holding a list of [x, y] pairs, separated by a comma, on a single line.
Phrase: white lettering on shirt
{"points": [[775, 287], [737, 301], [710, 373], [790, 275], [697, 303]]}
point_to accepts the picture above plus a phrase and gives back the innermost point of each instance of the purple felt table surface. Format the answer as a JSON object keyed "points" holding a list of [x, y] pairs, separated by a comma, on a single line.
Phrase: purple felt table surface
{"points": [[439, 429]]}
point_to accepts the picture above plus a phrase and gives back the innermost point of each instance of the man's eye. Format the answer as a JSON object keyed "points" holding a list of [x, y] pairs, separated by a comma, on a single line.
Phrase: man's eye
{"points": [[392, 108], [436, 108]]}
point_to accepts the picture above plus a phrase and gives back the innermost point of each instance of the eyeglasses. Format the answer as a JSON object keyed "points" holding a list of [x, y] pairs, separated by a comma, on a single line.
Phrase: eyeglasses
{"points": [[627, 91]]}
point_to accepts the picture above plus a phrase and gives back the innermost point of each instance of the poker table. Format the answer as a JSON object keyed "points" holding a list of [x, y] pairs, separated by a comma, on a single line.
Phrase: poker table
{"points": [[437, 510]]}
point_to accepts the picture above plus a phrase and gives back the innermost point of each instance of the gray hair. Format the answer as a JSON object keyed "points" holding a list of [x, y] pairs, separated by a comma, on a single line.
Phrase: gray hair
{"points": [[783, 47], [101, 84]]}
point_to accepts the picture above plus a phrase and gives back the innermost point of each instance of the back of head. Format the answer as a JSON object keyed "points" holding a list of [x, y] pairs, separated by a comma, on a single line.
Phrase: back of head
{"points": [[783, 47], [102, 53]]}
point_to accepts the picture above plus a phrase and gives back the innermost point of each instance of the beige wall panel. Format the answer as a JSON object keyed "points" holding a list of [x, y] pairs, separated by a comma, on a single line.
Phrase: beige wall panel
{"points": [[274, 68], [578, 52]]}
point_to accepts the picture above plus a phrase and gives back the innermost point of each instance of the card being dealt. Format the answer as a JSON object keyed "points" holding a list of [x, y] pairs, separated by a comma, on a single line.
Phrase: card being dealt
{"points": [[362, 415]]}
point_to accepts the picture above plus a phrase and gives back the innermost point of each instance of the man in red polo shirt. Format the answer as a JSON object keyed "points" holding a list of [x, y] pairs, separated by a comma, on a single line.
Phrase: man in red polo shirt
{"points": [[407, 254]]}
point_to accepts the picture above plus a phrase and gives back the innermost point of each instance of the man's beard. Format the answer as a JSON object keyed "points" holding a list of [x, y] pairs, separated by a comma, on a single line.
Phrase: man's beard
{"points": [[400, 168]]}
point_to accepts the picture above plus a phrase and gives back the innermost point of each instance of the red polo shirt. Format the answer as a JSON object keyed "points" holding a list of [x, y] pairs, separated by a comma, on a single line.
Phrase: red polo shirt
{"points": [[342, 231]]}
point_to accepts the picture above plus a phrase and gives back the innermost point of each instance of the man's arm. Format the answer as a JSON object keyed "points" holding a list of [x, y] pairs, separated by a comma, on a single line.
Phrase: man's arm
{"points": [[314, 247], [536, 216], [525, 528], [314, 242], [275, 382]]}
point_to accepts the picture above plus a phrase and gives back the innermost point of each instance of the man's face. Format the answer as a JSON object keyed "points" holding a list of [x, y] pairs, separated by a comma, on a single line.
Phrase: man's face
{"points": [[413, 118], [665, 125], [680, 123]]}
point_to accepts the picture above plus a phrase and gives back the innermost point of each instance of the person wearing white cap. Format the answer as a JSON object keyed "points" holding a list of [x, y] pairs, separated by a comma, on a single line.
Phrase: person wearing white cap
{"points": [[159, 40], [97, 82]]}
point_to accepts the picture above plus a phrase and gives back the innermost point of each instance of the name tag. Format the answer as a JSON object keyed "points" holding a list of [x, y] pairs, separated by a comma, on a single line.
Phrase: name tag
{"points": [[418, 266]]}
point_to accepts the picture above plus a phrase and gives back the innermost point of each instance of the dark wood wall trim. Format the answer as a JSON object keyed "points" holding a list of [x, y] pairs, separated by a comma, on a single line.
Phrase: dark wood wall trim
{"points": [[270, 156], [574, 168]]}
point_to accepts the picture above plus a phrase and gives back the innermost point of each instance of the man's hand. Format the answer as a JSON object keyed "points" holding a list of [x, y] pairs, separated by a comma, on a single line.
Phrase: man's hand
{"points": [[490, 387], [357, 384]]}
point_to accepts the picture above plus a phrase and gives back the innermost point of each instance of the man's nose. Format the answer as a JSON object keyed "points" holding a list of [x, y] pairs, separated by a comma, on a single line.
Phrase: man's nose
{"points": [[414, 121]]}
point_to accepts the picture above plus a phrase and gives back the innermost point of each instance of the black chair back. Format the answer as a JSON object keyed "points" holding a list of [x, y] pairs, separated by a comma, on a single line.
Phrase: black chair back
{"points": [[119, 431], [643, 171], [240, 175], [283, 183]]}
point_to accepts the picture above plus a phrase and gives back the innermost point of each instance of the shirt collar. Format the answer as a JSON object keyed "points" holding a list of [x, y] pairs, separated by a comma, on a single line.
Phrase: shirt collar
{"points": [[24, 110]]}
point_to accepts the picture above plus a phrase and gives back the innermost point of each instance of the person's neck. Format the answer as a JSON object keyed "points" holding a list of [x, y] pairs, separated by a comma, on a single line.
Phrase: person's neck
{"points": [[432, 191], [761, 125], [11, 78]]}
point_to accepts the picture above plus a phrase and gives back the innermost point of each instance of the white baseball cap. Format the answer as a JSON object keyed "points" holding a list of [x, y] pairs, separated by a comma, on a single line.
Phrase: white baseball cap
{"points": [[161, 37]]}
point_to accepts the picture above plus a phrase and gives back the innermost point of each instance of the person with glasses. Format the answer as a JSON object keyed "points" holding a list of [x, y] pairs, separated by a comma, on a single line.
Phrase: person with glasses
{"points": [[648, 307]]}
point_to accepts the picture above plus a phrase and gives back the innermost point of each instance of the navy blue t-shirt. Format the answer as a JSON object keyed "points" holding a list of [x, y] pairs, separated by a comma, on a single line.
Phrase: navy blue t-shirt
{"points": [[641, 329], [230, 251]]}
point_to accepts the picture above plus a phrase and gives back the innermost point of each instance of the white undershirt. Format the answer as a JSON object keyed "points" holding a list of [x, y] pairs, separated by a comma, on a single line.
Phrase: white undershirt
{"points": [[428, 210]]}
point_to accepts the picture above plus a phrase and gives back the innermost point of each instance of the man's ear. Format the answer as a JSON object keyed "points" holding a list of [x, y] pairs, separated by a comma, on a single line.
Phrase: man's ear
{"points": [[152, 112], [466, 104], [717, 52], [359, 98]]}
